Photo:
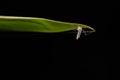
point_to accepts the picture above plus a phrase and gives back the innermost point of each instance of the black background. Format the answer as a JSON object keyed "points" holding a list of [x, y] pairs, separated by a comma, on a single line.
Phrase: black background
{"points": [[56, 53]]}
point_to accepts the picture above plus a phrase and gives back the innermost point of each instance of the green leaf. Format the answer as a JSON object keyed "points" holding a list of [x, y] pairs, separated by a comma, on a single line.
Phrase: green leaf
{"points": [[31, 24]]}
